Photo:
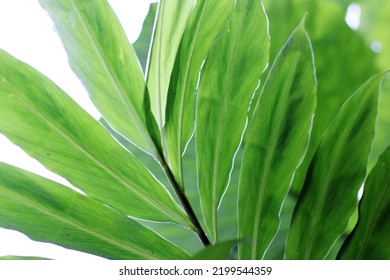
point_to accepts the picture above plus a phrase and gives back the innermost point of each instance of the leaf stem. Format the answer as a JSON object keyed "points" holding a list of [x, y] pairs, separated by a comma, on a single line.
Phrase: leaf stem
{"points": [[179, 190]]}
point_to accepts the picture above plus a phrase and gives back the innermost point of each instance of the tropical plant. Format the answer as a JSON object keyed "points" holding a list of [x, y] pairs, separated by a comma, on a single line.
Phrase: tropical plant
{"points": [[290, 139]]}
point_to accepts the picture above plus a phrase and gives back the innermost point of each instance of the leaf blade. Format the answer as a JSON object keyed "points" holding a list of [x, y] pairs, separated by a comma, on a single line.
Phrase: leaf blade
{"points": [[219, 251], [229, 78], [102, 58], [171, 22], [47, 211], [202, 29], [52, 128], [369, 239], [276, 142], [329, 195]]}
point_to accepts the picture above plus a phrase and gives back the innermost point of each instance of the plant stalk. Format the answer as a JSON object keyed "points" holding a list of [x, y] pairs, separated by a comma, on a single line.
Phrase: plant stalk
{"points": [[185, 203]]}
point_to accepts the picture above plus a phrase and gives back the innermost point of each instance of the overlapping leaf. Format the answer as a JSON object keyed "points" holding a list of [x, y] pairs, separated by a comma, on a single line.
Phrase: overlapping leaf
{"points": [[49, 126], [47, 211], [329, 195], [219, 251], [142, 45], [276, 142], [203, 27], [171, 22], [229, 78], [370, 239], [101, 56]]}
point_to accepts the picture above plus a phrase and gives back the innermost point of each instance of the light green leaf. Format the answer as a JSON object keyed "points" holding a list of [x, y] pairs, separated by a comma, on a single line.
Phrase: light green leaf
{"points": [[51, 127], [218, 251], [101, 56], [171, 22], [203, 27], [142, 45], [276, 142], [370, 239], [26, 258], [329, 195], [47, 211], [229, 78]]}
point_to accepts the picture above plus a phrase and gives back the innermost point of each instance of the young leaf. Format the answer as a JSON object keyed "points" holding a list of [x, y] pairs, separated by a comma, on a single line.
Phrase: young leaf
{"points": [[370, 239], [142, 45], [171, 22], [51, 127], [276, 142], [47, 211], [203, 27], [229, 78], [329, 195], [101, 56]]}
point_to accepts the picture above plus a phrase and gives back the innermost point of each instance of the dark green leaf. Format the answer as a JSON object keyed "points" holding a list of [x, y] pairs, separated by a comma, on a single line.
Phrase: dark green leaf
{"points": [[329, 195], [51, 127], [47, 211], [343, 60], [101, 56], [276, 142], [203, 27], [229, 78], [218, 251], [370, 239]]}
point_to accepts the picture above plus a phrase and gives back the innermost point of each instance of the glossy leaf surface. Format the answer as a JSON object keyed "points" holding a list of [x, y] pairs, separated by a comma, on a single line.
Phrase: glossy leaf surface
{"points": [[101, 56], [275, 143], [52, 128], [370, 239], [229, 78], [203, 27], [329, 195], [47, 211]]}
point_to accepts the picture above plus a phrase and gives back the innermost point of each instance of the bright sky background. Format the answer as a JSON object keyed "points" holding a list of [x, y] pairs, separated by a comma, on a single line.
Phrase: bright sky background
{"points": [[27, 33]]}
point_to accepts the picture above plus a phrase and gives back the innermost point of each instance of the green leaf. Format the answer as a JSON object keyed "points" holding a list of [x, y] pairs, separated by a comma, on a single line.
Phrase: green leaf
{"points": [[47, 211], [101, 56], [26, 258], [203, 27], [218, 251], [276, 142], [338, 70], [142, 45], [171, 22], [51, 127], [229, 78], [370, 239], [329, 195]]}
